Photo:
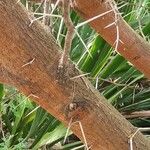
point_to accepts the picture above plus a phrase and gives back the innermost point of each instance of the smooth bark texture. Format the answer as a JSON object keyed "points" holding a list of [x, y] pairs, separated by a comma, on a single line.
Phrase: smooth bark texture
{"points": [[131, 45], [29, 59]]}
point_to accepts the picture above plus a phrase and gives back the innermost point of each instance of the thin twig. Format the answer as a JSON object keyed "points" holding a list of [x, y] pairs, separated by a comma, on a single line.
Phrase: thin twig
{"points": [[117, 17], [46, 19], [69, 35]]}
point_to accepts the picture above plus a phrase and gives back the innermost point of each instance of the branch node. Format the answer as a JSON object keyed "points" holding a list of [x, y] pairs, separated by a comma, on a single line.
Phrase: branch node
{"points": [[77, 110], [62, 74]]}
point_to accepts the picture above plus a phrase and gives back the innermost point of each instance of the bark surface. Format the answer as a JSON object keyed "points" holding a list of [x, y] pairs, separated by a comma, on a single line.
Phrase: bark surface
{"points": [[29, 59], [131, 46]]}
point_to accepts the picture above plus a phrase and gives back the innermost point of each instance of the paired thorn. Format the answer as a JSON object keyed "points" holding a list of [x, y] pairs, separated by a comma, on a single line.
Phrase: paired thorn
{"points": [[71, 123], [134, 134]]}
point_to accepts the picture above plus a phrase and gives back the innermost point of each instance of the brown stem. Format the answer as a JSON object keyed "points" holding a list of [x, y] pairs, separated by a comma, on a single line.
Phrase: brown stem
{"points": [[69, 35], [137, 114], [131, 46], [46, 19]]}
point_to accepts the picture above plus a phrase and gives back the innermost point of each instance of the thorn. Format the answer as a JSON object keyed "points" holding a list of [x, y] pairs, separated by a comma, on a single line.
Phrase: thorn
{"points": [[28, 63], [79, 76]]}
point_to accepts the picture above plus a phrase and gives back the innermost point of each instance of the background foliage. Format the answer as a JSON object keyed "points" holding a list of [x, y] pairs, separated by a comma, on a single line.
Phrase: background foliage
{"points": [[24, 125]]}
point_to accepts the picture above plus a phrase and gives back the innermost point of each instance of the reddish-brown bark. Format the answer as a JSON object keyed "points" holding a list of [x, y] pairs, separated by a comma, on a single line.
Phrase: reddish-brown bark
{"points": [[20, 43], [133, 47]]}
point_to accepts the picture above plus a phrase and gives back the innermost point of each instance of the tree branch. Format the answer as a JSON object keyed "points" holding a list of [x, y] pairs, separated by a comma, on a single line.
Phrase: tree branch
{"points": [[137, 114], [130, 45], [30, 55]]}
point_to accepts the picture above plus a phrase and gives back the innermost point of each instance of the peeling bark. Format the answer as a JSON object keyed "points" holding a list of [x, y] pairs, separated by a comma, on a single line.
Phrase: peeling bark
{"points": [[104, 127]]}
